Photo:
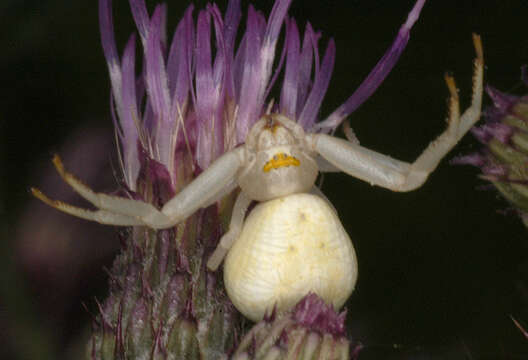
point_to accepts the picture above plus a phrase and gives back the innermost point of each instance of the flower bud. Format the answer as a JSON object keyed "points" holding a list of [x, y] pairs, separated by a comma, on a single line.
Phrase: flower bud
{"points": [[311, 330], [503, 159]]}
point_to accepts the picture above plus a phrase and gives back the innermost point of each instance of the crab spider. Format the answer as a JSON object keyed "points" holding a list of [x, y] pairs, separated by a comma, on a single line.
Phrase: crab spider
{"points": [[278, 159]]}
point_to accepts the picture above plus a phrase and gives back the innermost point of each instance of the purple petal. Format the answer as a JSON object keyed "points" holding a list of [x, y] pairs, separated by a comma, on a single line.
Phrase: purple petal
{"points": [[276, 19], [204, 71], [110, 51], [315, 46], [237, 73], [221, 68], [179, 63], [207, 93], [276, 72], [305, 66], [232, 20], [130, 117], [163, 26], [220, 62], [141, 17], [149, 120], [288, 100], [106, 26], [313, 103], [252, 78], [376, 76], [157, 85], [260, 43]]}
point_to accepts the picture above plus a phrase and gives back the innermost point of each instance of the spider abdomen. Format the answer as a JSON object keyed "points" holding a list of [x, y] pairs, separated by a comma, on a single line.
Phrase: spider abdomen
{"points": [[289, 247]]}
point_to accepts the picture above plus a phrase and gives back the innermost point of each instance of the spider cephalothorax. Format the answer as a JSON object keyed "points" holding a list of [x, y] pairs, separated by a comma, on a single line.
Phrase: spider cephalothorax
{"points": [[278, 161]]}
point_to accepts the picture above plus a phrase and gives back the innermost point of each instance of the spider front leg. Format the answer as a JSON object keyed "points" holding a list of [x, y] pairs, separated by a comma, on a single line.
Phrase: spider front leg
{"points": [[100, 216], [381, 170], [113, 210]]}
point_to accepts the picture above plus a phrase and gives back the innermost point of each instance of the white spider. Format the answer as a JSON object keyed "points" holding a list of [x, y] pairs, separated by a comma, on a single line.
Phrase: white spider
{"points": [[279, 159]]}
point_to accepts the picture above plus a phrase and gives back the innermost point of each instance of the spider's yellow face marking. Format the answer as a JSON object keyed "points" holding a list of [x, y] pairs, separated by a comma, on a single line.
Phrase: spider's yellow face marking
{"points": [[280, 160]]}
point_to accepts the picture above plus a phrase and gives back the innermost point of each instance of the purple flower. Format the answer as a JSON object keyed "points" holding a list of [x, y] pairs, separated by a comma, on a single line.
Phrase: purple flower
{"points": [[200, 93]]}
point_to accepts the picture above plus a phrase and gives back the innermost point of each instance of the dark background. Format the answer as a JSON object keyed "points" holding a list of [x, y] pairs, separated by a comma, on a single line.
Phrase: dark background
{"points": [[442, 269]]}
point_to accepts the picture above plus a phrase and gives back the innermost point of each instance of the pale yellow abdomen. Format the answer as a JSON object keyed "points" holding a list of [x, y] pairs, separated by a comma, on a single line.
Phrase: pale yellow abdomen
{"points": [[289, 247]]}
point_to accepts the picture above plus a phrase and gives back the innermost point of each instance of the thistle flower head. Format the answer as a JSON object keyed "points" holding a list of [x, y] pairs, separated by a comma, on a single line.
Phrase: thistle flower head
{"points": [[503, 159], [200, 91], [196, 96]]}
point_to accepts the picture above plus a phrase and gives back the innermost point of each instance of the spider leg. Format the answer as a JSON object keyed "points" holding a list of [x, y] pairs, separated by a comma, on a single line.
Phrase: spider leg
{"points": [[100, 216], [324, 165], [458, 125], [221, 194], [235, 227], [472, 114], [204, 190], [396, 175], [207, 188], [102, 201]]}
